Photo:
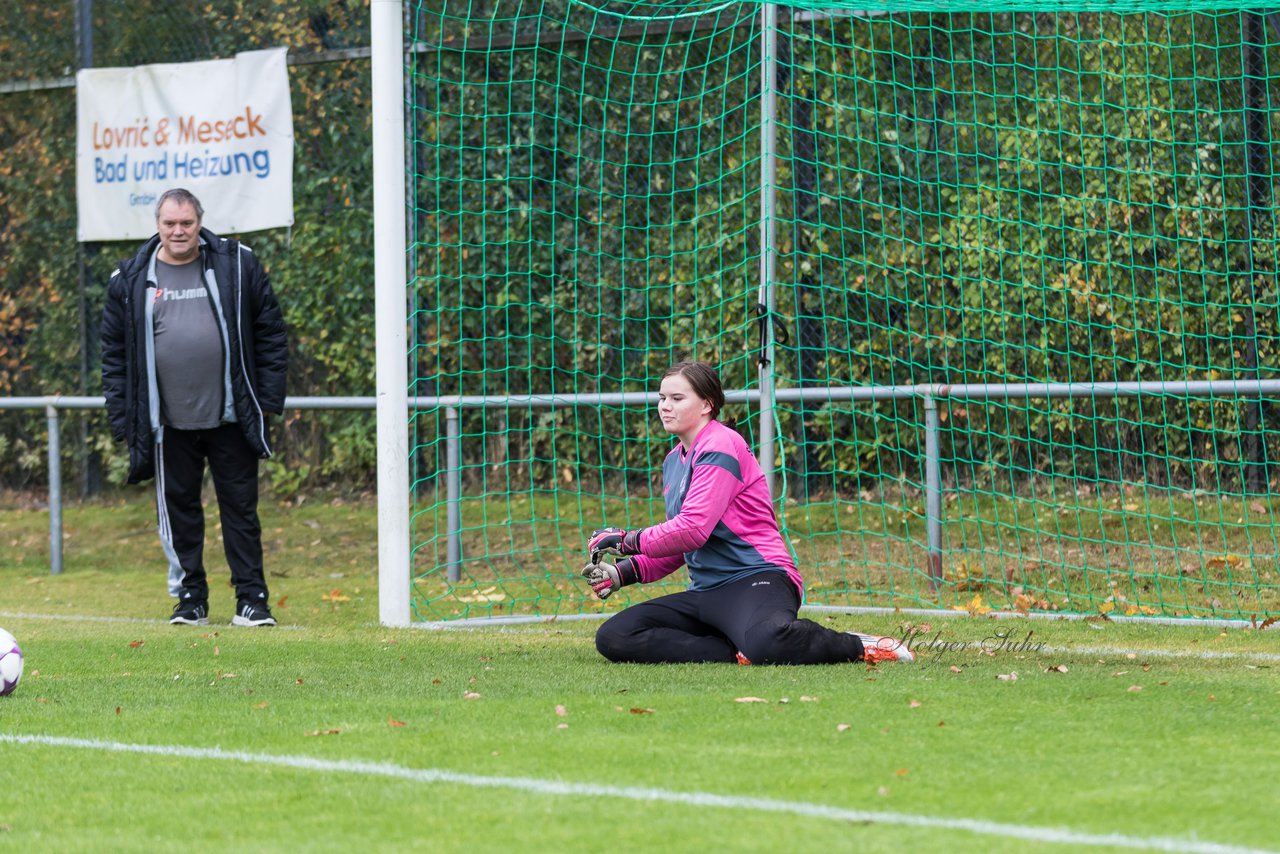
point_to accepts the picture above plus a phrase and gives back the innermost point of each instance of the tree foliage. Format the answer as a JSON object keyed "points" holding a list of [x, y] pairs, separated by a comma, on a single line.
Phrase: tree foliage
{"points": [[961, 199], [322, 268]]}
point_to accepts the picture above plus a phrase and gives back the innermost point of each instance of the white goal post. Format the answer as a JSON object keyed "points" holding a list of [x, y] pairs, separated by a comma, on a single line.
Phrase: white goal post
{"points": [[391, 310]]}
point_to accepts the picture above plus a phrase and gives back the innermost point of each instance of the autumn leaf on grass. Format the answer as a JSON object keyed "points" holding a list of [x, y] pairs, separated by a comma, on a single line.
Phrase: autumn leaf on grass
{"points": [[750, 700], [471, 695], [636, 710], [488, 594], [1057, 668], [965, 579], [137, 643], [1012, 676], [975, 606], [1268, 622], [392, 722], [335, 596], [323, 732], [914, 704], [843, 727]]}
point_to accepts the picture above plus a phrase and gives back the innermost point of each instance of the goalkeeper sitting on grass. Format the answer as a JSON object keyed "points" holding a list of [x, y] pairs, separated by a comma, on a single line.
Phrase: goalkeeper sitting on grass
{"points": [[744, 589]]}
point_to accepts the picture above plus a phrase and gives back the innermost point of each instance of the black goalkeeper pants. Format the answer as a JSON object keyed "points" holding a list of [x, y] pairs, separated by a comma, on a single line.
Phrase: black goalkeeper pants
{"points": [[179, 478], [755, 616]]}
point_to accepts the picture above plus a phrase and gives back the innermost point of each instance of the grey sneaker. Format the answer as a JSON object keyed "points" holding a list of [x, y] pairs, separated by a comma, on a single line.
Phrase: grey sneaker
{"points": [[253, 614], [190, 612]]}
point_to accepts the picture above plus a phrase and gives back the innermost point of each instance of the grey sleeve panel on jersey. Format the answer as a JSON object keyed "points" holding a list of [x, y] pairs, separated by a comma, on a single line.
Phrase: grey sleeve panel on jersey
{"points": [[720, 459]]}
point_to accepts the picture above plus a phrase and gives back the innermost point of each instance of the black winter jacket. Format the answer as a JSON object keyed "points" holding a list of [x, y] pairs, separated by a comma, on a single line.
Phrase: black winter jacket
{"points": [[257, 344]]}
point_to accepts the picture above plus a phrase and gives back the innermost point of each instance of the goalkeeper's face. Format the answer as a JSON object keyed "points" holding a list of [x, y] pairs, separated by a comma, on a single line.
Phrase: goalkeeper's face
{"points": [[683, 413]]}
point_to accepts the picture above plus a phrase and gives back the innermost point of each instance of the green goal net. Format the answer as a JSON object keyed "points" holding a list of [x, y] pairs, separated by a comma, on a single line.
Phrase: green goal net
{"points": [[994, 291]]}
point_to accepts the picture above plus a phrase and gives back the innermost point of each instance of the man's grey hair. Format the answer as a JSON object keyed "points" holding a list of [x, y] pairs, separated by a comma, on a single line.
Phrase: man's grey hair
{"points": [[182, 197]]}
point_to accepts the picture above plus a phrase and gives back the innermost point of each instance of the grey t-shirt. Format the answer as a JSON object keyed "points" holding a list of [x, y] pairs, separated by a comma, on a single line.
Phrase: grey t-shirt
{"points": [[189, 359]]}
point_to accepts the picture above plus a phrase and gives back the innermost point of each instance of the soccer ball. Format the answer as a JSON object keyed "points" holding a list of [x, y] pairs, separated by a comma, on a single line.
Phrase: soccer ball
{"points": [[10, 663]]}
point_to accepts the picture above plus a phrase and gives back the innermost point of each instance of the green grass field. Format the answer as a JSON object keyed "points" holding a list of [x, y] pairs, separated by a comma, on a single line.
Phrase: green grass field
{"points": [[332, 732]]}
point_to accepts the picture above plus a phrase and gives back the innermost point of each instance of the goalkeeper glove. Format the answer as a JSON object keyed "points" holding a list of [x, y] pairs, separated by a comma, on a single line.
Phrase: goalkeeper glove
{"points": [[613, 541], [606, 578]]}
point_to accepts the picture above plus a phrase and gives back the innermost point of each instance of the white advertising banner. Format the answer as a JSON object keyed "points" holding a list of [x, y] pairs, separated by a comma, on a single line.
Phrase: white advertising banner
{"points": [[222, 129]]}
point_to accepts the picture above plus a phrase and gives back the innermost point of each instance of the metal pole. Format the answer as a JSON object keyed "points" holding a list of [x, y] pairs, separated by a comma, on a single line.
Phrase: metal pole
{"points": [[768, 248], [410, 108], [90, 468], [1258, 160], [390, 310], [84, 32], [807, 222], [932, 490], [55, 491], [453, 493]]}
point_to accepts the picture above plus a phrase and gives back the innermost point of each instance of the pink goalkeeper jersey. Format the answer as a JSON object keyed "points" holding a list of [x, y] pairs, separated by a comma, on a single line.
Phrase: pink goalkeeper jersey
{"points": [[720, 520]]}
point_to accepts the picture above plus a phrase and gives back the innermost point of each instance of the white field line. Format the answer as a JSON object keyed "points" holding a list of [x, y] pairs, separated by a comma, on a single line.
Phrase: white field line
{"points": [[1204, 654], [948, 646], [77, 618], [145, 621], [855, 610], [533, 785]]}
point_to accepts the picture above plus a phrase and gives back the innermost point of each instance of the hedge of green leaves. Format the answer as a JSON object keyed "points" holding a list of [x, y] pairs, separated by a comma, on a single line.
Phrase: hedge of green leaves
{"points": [[962, 198]]}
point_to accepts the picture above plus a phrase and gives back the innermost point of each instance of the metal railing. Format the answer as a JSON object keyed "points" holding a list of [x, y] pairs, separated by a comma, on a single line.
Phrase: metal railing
{"points": [[929, 395], [54, 403]]}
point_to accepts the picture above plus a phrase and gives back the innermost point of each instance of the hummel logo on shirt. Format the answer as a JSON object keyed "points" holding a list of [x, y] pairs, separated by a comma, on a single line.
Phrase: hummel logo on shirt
{"points": [[190, 293]]}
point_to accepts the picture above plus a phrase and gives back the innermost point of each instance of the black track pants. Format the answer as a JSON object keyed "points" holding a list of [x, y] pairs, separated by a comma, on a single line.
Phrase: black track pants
{"points": [[180, 474], [755, 616]]}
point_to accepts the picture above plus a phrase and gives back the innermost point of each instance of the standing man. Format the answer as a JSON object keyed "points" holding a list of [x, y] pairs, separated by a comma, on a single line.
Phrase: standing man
{"points": [[193, 360]]}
